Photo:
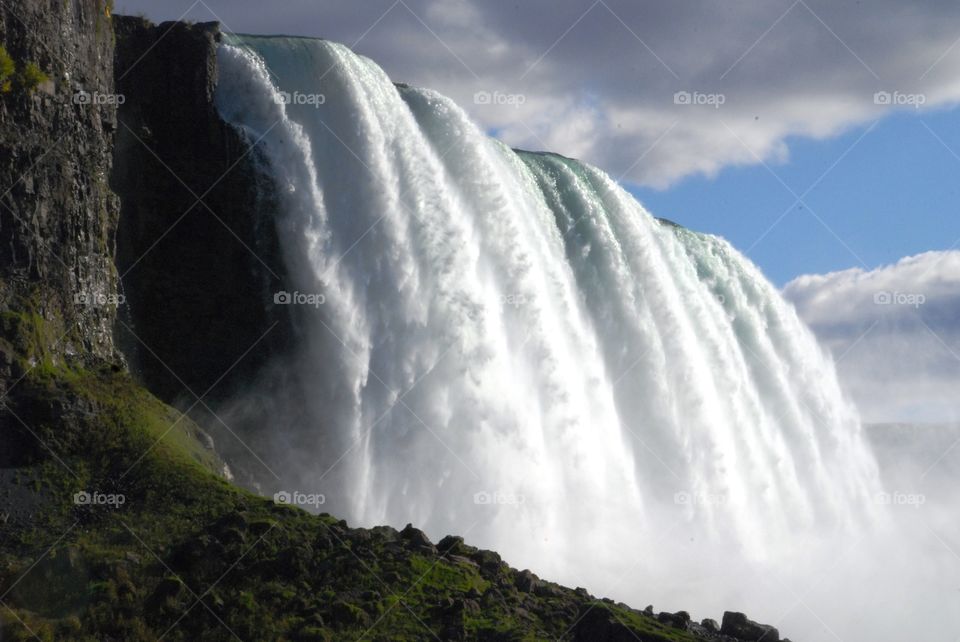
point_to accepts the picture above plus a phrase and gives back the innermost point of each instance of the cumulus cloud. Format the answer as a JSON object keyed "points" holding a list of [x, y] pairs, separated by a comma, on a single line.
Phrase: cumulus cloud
{"points": [[893, 332], [618, 82]]}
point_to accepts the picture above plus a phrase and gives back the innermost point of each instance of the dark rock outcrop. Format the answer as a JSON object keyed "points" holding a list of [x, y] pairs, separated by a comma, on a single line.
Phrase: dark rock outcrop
{"points": [[417, 538], [678, 620], [736, 625], [527, 582], [710, 625], [197, 255]]}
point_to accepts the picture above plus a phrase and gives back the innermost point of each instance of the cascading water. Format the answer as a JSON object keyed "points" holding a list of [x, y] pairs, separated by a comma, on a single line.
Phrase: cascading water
{"points": [[512, 349]]}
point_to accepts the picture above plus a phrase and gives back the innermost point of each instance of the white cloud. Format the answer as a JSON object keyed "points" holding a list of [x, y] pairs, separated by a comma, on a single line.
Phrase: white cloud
{"points": [[894, 333], [600, 78]]}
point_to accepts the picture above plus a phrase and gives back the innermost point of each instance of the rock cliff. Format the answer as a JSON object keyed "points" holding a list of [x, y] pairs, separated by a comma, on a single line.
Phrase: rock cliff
{"points": [[197, 252], [58, 215]]}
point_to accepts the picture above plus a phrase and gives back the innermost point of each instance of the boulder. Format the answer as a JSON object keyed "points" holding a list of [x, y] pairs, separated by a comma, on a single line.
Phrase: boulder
{"points": [[548, 589], [526, 581], [678, 620], [710, 625], [417, 537], [489, 561], [736, 625], [451, 545]]}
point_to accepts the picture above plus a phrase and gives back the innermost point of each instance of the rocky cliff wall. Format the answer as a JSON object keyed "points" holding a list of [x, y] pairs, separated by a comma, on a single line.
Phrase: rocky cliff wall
{"points": [[58, 215], [197, 253], [135, 226]]}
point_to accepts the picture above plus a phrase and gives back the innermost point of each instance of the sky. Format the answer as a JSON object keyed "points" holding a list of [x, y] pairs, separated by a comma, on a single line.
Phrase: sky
{"points": [[894, 334], [821, 137]]}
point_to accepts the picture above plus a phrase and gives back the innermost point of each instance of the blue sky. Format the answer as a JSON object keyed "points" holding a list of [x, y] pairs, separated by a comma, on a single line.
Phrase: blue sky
{"points": [[895, 193]]}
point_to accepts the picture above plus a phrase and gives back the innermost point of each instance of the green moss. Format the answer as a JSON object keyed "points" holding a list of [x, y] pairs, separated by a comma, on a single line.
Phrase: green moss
{"points": [[31, 76], [27, 79], [27, 334], [7, 68]]}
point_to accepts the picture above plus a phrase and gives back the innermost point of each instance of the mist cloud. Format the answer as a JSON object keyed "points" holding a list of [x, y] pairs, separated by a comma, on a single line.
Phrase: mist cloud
{"points": [[893, 332]]}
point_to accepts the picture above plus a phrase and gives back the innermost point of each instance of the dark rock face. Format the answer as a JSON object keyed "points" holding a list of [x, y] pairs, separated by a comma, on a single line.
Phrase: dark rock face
{"points": [[678, 620], [197, 255], [58, 216], [451, 545], [527, 582], [736, 625], [417, 538]]}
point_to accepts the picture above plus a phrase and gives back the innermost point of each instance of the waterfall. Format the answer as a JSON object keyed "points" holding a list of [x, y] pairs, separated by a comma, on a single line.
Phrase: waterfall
{"points": [[506, 345]]}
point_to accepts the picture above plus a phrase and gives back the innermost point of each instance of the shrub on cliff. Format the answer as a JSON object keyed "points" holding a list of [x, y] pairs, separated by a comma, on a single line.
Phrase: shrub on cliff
{"points": [[28, 79], [6, 70], [31, 76]]}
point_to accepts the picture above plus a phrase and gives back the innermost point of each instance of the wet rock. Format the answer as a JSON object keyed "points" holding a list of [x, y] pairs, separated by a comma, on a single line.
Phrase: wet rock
{"points": [[526, 581], [489, 561], [385, 533], [417, 538], [737, 625], [710, 625], [452, 545], [678, 620]]}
